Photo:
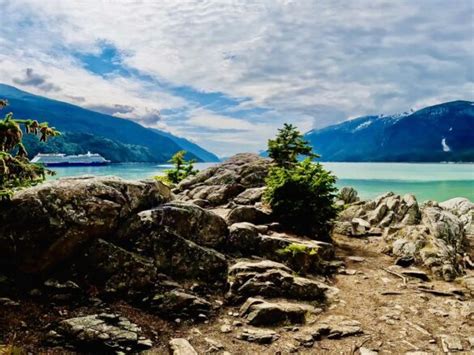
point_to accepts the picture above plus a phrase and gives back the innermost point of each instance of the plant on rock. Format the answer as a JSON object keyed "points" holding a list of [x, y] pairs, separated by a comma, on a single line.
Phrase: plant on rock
{"points": [[301, 194], [182, 168], [16, 171]]}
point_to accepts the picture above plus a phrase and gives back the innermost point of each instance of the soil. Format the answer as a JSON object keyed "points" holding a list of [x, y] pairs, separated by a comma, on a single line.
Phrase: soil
{"points": [[396, 316]]}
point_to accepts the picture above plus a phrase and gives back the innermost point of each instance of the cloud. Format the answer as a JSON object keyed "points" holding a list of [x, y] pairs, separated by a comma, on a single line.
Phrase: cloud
{"points": [[226, 74], [33, 79]]}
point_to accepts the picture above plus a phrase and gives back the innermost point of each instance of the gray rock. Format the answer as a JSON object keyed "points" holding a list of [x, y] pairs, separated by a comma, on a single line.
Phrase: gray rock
{"points": [[335, 327], [46, 224], [451, 343], [172, 254], [178, 304], [366, 351], [271, 279], [249, 214], [260, 336], [102, 331], [250, 196], [180, 346], [360, 227], [300, 254], [260, 313]]}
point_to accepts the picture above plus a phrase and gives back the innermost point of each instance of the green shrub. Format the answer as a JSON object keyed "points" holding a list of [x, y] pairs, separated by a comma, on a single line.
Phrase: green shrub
{"points": [[16, 171], [302, 198], [182, 168], [288, 145]]}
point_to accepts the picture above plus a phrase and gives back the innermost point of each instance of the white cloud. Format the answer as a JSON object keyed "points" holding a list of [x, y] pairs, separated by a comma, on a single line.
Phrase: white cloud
{"points": [[311, 62]]}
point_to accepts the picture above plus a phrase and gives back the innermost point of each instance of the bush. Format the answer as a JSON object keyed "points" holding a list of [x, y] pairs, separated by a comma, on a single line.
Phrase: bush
{"points": [[301, 194], [288, 145], [16, 171], [182, 168]]}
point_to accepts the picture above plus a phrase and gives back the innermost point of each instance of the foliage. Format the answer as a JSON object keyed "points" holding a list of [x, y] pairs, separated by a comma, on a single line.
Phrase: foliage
{"points": [[296, 249], [301, 194], [288, 146], [15, 169], [182, 168]]}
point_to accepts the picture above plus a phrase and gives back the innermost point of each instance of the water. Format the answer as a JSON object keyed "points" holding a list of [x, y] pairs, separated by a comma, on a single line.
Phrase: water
{"points": [[426, 181]]}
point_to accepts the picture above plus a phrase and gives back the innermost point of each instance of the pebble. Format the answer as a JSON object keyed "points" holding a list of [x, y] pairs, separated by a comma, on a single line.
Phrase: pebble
{"points": [[226, 328]]}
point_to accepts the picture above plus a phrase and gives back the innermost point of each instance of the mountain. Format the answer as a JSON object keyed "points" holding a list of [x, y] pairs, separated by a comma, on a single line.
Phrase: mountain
{"points": [[191, 147], [117, 139], [443, 132]]}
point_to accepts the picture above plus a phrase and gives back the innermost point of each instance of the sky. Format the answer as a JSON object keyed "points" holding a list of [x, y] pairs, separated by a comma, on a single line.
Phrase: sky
{"points": [[228, 74]]}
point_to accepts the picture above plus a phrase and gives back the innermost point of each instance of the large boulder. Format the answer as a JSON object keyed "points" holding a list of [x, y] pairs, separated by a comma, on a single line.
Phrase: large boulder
{"points": [[250, 196], [221, 183], [46, 224], [183, 257], [249, 214]]}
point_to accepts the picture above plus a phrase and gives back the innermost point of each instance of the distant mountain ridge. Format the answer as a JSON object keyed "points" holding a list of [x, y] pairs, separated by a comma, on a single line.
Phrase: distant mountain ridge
{"points": [[117, 139], [438, 133]]}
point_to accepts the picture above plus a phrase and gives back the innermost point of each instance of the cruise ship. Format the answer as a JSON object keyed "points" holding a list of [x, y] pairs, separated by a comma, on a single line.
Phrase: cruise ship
{"points": [[89, 159]]}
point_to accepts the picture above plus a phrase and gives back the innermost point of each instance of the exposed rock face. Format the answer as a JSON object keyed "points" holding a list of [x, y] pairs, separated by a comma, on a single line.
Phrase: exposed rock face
{"points": [[250, 196], [432, 235], [271, 279], [221, 183], [46, 224], [249, 214], [300, 254], [463, 209], [261, 336], [174, 304], [100, 332]]}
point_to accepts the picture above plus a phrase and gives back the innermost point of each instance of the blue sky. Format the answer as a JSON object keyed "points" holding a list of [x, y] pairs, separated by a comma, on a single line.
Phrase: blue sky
{"points": [[227, 74]]}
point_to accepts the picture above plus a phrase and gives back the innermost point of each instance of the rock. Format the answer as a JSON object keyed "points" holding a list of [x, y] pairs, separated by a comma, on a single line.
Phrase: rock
{"points": [[101, 332], [344, 228], [418, 274], [5, 301], [188, 221], [438, 243], [451, 343], [115, 271], [67, 291], [46, 224], [348, 195], [178, 304], [250, 196], [271, 279], [366, 351], [180, 346], [300, 254], [171, 253], [259, 312], [226, 328], [405, 261], [335, 327], [357, 259], [304, 339], [249, 214], [260, 336], [463, 209], [214, 345], [360, 227], [221, 183]]}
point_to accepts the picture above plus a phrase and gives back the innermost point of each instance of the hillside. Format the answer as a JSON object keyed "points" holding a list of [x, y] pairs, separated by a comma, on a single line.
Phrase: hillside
{"points": [[117, 139], [443, 132]]}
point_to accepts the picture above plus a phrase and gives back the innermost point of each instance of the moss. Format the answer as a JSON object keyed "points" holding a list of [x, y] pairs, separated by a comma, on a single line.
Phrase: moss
{"points": [[295, 249]]}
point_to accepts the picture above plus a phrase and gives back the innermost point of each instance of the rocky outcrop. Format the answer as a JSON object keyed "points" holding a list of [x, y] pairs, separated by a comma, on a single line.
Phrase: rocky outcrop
{"points": [[271, 279], [432, 235], [46, 224], [221, 183], [300, 254], [463, 209]]}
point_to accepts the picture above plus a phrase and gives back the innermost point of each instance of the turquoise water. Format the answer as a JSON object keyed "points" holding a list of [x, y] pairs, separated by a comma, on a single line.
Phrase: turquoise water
{"points": [[426, 181]]}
